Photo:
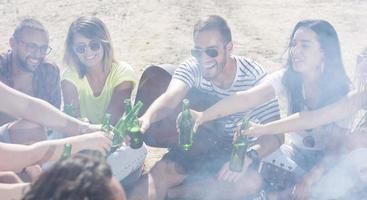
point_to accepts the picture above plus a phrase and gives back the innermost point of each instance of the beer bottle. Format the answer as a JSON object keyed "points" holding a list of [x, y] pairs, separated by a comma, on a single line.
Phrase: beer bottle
{"points": [[127, 105], [239, 148], [106, 127], [136, 137], [123, 125], [69, 110], [67, 151], [185, 127]]}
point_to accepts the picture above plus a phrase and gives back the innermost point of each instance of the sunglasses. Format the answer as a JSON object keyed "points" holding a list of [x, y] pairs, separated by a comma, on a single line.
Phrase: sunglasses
{"points": [[93, 45], [32, 47], [197, 53]]}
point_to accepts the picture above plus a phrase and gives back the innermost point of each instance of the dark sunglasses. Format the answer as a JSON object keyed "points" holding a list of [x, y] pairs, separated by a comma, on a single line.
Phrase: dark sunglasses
{"points": [[32, 47], [197, 53], [93, 45]]}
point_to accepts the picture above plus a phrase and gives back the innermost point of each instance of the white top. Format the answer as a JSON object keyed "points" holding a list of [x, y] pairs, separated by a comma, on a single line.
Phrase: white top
{"points": [[126, 160], [320, 134]]}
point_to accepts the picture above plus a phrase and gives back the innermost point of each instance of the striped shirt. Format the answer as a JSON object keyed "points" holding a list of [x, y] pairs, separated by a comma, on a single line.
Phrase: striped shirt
{"points": [[248, 74]]}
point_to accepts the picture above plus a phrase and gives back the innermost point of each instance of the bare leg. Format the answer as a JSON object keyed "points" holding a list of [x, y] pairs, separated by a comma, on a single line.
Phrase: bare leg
{"points": [[154, 185], [9, 177]]}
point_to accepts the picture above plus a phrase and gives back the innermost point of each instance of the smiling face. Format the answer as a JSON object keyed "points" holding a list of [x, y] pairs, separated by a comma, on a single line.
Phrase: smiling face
{"points": [[30, 48], [306, 53], [90, 52], [210, 66]]}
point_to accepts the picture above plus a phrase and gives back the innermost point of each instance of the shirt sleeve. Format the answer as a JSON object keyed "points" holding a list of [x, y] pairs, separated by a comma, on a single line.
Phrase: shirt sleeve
{"points": [[188, 73], [275, 80], [256, 70], [46, 82], [123, 72], [71, 76]]}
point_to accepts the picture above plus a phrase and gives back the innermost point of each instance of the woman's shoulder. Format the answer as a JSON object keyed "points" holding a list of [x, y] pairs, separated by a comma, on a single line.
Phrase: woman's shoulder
{"points": [[70, 75], [122, 66], [275, 76], [122, 71]]}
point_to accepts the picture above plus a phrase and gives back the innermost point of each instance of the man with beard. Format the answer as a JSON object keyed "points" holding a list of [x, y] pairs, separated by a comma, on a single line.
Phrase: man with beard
{"points": [[212, 70], [25, 69]]}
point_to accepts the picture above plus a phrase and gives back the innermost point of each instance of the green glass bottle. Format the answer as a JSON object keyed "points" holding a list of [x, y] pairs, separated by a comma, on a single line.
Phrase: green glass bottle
{"points": [[67, 151], [106, 123], [185, 127], [239, 148], [69, 110], [127, 105], [123, 125], [136, 137]]}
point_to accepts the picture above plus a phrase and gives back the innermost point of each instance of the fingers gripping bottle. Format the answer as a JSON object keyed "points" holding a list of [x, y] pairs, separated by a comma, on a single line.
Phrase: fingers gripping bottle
{"points": [[185, 127], [239, 148]]}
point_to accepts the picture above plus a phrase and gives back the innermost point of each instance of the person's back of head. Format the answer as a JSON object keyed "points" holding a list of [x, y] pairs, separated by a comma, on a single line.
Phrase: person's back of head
{"points": [[79, 177]]}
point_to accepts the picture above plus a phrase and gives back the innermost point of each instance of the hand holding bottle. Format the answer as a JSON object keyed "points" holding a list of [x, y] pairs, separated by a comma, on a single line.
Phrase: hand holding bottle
{"points": [[196, 117], [226, 174], [144, 122], [99, 141]]}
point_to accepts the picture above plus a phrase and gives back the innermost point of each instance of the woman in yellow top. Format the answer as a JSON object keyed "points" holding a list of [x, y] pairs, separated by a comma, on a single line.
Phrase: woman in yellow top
{"points": [[94, 83]]}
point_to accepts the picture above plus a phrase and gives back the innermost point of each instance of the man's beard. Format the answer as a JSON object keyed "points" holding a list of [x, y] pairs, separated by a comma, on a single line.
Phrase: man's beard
{"points": [[23, 65], [219, 69]]}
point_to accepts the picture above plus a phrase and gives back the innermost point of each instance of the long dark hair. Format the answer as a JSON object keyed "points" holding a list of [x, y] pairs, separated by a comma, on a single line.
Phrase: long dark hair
{"points": [[79, 177], [333, 82], [92, 28]]}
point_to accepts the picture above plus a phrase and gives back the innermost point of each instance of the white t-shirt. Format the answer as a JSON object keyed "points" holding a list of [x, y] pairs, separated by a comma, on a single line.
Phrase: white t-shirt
{"points": [[302, 139]]}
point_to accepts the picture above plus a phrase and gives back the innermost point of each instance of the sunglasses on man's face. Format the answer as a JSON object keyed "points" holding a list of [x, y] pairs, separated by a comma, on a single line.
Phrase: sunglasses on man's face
{"points": [[32, 47], [93, 45], [197, 53]]}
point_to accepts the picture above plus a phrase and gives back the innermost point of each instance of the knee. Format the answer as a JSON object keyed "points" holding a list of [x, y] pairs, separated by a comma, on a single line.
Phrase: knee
{"points": [[249, 184], [167, 171], [163, 166], [9, 177], [26, 132]]}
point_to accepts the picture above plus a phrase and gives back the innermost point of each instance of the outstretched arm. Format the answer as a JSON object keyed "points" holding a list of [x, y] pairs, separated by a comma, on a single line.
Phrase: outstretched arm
{"points": [[13, 191], [164, 104], [36, 110], [238, 102], [311, 119], [22, 156]]}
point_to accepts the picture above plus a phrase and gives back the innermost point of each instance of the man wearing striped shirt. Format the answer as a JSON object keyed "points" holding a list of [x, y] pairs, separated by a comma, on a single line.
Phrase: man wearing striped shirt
{"points": [[213, 70]]}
